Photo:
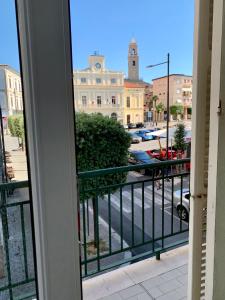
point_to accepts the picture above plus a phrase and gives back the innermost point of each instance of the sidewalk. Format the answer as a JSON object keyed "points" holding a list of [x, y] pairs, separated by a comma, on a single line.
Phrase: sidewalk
{"points": [[146, 280], [18, 158]]}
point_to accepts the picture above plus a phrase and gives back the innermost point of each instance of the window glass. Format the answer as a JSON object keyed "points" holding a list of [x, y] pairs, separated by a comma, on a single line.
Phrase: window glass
{"points": [[128, 101], [84, 100]]}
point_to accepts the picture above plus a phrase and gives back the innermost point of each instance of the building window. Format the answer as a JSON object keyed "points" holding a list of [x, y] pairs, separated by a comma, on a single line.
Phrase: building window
{"points": [[83, 80], [133, 63], [128, 101], [12, 104], [98, 80], [113, 80], [178, 91], [15, 85], [99, 100], [84, 100], [113, 100], [10, 83]]}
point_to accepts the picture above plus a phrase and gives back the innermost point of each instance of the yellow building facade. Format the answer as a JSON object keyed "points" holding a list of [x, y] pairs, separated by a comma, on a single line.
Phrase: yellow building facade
{"points": [[134, 92]]}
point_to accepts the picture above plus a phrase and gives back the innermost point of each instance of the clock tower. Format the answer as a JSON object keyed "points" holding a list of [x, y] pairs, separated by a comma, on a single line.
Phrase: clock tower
{"points": [[133, 61], [97, 62]]}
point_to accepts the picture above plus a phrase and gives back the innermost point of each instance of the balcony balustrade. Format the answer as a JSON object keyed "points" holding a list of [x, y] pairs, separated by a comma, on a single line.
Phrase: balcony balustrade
{"points": [[121, 222]]}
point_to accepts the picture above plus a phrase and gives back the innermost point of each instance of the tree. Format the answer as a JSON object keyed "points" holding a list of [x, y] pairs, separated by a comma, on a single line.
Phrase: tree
{"points": [[176, 109], [101, 143], [159, 109], [16, 128], [179, 137]]}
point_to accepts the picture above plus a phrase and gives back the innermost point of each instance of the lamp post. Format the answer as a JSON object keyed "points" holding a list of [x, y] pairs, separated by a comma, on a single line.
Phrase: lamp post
{"points": [[168, 99]]}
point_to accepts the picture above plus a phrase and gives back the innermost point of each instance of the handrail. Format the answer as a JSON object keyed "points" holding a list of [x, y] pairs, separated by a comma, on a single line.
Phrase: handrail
{"points": [[14, 184], [96, 173]]}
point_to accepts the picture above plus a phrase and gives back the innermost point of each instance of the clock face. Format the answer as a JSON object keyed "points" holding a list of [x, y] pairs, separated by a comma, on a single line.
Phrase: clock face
{"points": [[98, 66]]}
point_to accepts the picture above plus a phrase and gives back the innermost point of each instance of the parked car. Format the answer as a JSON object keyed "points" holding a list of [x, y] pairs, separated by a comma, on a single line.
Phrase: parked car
{"points": [[135, 139], [141, 157], [144, 134], [183, 209], [154, 129], [161, 154], [125, 127], [131, 125], [140, 125]]}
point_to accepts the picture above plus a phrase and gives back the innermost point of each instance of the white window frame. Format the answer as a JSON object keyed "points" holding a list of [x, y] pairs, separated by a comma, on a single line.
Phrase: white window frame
{"points": [[48, 98]]}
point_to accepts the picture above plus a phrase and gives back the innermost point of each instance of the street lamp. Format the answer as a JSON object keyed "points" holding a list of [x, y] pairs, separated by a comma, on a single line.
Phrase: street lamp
{"points": [[168, 99]]}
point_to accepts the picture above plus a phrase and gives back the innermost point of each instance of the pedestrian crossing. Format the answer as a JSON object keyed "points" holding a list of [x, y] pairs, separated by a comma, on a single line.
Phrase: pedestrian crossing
{"points": [[137, 196]]}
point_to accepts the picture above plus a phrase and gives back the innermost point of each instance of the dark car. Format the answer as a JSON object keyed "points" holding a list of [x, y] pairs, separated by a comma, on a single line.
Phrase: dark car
{"points": [[140, 125], [141, 157]]}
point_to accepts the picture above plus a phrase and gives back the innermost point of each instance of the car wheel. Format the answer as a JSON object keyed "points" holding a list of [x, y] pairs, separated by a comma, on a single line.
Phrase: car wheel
{"points": [[182, 213]]}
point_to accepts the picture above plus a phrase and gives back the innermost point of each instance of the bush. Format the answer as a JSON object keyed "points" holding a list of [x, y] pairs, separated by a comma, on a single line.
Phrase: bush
{"points": [[16, 128], [101, 143]]}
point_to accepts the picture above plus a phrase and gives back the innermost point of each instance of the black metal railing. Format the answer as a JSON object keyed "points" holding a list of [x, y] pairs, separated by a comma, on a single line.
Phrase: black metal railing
{"points": [[126, 217]]}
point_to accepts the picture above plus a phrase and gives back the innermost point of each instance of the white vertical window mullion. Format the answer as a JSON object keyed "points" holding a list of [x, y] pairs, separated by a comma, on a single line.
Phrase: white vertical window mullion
{"points": [[215, 263], [200, 147], [44, 31]]}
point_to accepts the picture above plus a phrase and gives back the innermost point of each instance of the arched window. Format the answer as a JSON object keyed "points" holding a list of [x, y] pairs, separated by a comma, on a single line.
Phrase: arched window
{"points": [[114, 116]]}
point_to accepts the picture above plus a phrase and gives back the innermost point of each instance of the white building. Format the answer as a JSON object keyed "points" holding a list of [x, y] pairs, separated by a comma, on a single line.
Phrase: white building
{"points": [[98, 90], [10, 91]]}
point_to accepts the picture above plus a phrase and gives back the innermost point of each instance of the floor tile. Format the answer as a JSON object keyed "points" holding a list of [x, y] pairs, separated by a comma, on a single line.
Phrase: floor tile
{"points": [[131, 291], [170, 286]]}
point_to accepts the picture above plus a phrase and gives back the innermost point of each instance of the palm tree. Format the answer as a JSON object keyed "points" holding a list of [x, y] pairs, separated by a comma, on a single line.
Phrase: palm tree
{"points": [[159, 109], [155, 98]]}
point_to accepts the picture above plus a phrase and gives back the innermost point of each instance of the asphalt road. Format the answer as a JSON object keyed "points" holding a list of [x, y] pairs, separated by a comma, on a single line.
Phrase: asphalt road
{"points": [[130, 224]]}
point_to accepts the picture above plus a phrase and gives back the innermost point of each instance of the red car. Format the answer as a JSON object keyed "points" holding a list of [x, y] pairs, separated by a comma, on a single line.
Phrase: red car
{"points": [[161, 154]]}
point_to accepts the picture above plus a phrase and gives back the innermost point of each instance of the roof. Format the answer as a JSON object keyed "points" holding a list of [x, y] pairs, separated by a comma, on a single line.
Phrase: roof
{"points": [[135, 83], [180, 75], [4, 66]]}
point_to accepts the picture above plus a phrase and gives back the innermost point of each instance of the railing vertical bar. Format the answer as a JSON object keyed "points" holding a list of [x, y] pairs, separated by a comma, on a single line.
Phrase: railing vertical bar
{"points": [[153, 211], [24, 240], [109, 222], [84, 233], [163, 206], [97, 233], [132, 212], [121, 218], [181, 198], [172, 212], [88, 221], [143, 212], [5, 238]]}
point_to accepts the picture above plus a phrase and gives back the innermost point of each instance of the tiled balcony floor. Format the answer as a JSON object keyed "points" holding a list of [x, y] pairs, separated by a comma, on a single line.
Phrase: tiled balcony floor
{"points": [[149, 279]]}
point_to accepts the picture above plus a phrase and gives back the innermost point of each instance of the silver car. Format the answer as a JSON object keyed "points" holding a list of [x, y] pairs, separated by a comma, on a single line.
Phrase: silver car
{"points": [[135, 138], [183, 209]]}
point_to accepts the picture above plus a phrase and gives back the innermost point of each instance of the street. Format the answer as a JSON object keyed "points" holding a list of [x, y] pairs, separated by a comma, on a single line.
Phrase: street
{"points": [[136, 224]]}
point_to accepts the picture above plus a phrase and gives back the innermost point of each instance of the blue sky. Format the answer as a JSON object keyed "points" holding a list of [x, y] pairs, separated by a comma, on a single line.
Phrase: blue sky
{"points": [[159, 26]]}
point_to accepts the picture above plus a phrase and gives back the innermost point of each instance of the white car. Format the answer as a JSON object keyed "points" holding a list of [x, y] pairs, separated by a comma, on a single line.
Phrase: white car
{"points": [[183, 209]]}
